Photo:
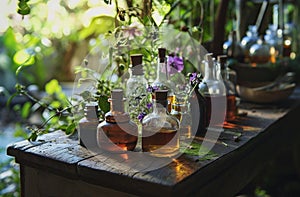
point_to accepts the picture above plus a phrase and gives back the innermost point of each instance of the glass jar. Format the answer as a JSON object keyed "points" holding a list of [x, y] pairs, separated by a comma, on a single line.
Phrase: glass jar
{"points": [[214, 92], [136, 86], [87, 131], [181, 111], [160, 136], [117, 133]]}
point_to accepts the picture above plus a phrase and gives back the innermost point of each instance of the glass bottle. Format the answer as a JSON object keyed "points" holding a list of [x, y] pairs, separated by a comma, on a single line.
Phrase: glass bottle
{"points": [[231, 108], [117, 132], [274, 42], [214, 92], [136, 86], [162, 80], [181, 111], [249, 40], [160, 136], [259, 53], [88, 127], [232, 47]]}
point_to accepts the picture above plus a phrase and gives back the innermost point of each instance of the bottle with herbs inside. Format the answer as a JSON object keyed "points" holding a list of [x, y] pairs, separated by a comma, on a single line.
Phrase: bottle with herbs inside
{"points": [[162, 81], [214, 92], [117, 133], [160, 131], [231, 107], [88, 127], [136, 86]]}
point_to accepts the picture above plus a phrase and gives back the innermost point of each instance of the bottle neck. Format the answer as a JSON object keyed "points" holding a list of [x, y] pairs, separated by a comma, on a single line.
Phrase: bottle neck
{"points": [[116, 106], [90, 112], [137, 71], [210, 71], [160, 106], [161, 70]]}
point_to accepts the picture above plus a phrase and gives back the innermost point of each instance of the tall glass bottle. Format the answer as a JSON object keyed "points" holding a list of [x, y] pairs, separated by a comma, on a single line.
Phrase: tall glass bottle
{"points": [[231, 108], [162, 80], [181, 111], [117, 132], [214, 92], [136, 86], [88, 127], [160, 136]]}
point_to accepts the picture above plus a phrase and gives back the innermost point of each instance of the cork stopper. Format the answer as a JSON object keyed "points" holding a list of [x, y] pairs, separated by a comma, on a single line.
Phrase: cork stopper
{"points": [[136, 59], [117, 94], [90, 110], [161, 95], [161, 54]]}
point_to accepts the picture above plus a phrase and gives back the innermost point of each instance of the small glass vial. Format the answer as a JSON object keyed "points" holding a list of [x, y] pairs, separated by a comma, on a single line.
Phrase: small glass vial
{"points": [[117, 133], [88, 127], [162, 80], [160, 136], [181, 111], [231, 107], [136, 86], [214, 92]]}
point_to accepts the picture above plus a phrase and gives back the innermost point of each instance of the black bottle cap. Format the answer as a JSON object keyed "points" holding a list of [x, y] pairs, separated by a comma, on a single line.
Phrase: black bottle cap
{"points": [[161, 95], [117, 94], [162, 54], [136, 59]]}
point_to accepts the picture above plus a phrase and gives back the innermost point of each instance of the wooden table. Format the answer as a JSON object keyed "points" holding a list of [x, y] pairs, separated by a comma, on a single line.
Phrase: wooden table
{"points": [[57, 166]]}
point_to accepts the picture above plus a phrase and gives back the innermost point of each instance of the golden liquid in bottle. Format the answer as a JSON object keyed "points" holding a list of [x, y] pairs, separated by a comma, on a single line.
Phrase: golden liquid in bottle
{"points": [[164, 142]]}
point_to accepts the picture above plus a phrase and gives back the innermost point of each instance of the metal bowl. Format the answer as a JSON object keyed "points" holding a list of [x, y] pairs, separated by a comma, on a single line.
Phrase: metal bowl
{"points": [[265, 96]]}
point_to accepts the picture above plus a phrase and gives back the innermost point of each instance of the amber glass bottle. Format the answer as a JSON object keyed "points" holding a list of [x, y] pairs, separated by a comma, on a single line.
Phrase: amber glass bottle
{"points": [[231, 107], [88, 127], [160, 134], [117, 133]]}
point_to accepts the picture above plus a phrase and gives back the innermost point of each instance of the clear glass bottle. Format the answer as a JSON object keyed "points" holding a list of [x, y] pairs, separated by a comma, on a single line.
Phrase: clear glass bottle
{"points": [[162, 80], [214, 92], [259, 53], [274, 42], [249, 40], [88, 127], [117, 133], [232, 47], [136, 86], [181, 111], [231, 107], [160, 136]]}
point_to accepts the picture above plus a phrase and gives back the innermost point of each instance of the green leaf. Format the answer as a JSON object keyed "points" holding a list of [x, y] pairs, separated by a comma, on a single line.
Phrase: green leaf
{"points": [[71, 128], [99, 25], [104, 104], [25, 110], [33, 136], [20, 132], [11, 98], [196, 149], [24, 57], [52, 87]]}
